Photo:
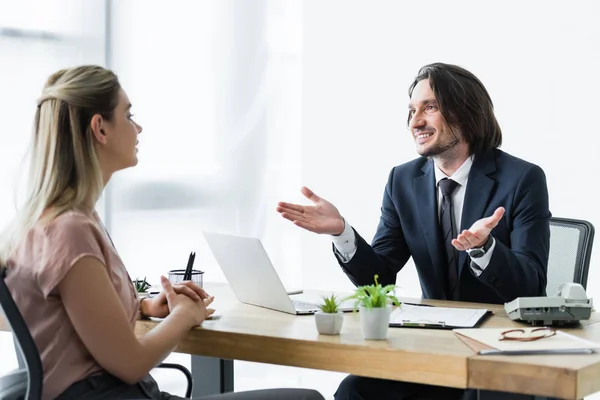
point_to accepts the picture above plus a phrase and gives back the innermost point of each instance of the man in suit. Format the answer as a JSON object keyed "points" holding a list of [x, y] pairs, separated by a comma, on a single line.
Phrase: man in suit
{"points": [[474, 219]]}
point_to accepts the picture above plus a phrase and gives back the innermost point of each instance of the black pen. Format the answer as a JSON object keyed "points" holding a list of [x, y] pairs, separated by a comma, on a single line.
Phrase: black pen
{"points": [[187, 275], [418, 305]]}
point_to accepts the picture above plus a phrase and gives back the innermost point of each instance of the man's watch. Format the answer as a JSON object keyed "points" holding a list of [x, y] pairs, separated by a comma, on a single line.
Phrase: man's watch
{"points": [[478, 252]]}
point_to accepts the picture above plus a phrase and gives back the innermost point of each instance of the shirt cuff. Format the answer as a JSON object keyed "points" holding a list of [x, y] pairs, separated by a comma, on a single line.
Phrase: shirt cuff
{"points": [[345, 243], [478, 265]]}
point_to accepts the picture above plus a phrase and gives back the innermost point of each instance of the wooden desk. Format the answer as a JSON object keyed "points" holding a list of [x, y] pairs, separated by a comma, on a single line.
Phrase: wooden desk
{"points": [[414, 355], [256, 334]]}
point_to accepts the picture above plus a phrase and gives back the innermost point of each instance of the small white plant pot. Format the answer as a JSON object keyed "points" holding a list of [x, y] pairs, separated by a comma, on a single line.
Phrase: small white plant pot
{"points": [[142, 295], [375, 322], [329, 324]]}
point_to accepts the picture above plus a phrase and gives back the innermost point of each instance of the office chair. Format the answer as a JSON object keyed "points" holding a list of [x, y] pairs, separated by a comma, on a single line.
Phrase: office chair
{"points": [[571, 243], [26, 382], [23, 383]]}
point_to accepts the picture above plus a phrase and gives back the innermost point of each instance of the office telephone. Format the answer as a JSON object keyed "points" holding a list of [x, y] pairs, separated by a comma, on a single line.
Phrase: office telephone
{"points": [[569, 306]]}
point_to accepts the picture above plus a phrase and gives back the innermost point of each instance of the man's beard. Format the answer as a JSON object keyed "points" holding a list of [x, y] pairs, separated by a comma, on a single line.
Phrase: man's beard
{"points": [[440, 148]]}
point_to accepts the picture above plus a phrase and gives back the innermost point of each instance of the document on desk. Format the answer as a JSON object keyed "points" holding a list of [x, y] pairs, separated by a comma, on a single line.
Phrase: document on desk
{"points": [[560, 343], [413, 316]]}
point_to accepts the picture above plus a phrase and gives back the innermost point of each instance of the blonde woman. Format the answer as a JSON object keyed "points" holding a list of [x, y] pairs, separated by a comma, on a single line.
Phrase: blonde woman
{"points": [[65, 274]]}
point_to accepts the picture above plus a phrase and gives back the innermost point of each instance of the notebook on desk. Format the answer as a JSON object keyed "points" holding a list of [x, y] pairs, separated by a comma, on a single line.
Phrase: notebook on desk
{"points": [[413, 316], [488, 341]]}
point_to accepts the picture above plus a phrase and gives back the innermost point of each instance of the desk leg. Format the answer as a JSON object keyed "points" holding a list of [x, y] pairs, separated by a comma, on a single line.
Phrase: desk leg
{"points": [[211, 376]]}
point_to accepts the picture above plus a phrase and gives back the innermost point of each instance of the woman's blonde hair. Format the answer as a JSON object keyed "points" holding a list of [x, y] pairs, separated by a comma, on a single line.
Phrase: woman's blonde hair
{"points": [[64, 171]]}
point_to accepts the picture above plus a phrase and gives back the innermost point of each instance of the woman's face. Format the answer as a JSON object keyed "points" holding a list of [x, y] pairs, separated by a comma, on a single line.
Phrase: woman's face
{"points": [[121, 133]]}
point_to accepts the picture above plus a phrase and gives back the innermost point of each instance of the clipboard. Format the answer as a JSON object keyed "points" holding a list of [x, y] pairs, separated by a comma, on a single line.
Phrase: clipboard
{"points": [[416, 316]]}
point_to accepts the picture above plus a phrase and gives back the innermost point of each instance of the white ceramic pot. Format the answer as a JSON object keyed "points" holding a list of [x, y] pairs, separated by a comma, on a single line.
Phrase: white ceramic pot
{"points": [[329, 324], [375, 322]]}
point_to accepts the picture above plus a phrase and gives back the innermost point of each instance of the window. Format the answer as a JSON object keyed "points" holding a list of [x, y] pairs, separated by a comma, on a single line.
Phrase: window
{"points": [[36, 39]]}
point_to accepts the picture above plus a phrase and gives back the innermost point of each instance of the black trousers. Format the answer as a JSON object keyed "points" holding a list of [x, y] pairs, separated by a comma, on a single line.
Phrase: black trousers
{"points": [[108, 387], [359, 388]]}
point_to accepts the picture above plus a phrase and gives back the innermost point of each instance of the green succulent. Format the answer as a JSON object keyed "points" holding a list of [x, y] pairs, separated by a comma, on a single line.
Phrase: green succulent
{"points": [[141, 285], [330, 305], [374, 295]]}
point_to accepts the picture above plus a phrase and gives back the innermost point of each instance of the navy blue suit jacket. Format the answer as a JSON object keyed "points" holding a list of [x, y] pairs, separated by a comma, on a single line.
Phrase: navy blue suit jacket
{"points": [[409, 227]]}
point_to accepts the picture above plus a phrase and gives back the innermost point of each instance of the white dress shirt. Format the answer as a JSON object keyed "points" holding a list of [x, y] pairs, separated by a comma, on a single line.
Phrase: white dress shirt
{"points": [[345, 244]]}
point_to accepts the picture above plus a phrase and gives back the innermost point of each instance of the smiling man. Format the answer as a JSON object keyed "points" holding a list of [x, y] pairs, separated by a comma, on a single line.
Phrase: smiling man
{"points": [[474, 219]]}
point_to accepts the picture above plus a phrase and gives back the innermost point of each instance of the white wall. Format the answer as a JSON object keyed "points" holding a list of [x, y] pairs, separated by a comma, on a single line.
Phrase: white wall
{"points": [[538, 59]]}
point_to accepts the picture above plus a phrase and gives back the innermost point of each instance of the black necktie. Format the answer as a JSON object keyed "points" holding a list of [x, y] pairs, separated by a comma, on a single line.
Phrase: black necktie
{"points": [[448, 228]]}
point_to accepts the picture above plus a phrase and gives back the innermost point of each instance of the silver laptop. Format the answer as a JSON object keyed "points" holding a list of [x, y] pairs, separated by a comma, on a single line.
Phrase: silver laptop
{"points": [[252, 276]]}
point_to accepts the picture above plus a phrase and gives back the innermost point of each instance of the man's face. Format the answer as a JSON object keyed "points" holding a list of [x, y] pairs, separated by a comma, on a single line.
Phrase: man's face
{"points": [[429, 128]]}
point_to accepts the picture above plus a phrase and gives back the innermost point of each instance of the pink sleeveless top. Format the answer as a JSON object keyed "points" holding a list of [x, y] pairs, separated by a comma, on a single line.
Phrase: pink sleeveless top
{"points": [[37, 266]]}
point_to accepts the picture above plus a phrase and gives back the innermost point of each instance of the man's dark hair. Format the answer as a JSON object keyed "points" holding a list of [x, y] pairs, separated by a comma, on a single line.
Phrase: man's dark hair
{"points": [[465, 104]]}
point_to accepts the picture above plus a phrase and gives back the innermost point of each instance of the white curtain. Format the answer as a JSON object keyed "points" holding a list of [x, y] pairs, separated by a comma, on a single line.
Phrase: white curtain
{"points": [[216, 86]]}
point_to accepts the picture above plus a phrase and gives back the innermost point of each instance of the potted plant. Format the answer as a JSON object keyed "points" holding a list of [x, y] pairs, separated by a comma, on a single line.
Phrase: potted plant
{"points": [[329, 320], [141, 287], [375, 305]]}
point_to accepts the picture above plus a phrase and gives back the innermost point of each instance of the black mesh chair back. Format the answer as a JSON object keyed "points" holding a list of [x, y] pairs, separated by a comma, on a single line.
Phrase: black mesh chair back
{"points": [[24, 383], [571, 243]]}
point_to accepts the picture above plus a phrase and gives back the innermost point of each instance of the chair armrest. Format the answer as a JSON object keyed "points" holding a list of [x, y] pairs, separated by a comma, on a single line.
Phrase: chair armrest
{"points": [[185, 371]]}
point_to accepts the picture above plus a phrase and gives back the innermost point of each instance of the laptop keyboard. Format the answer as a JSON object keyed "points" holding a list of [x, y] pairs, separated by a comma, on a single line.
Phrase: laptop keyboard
{"points": [[304, 306]]}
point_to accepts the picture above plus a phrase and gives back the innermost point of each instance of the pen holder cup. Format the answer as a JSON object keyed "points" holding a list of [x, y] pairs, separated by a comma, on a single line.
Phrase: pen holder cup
{"points": [[176, 276]]}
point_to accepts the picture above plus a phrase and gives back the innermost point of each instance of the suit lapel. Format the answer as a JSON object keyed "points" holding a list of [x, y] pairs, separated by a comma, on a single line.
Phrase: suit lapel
{"points": [[426, 200], [479, 191]]}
